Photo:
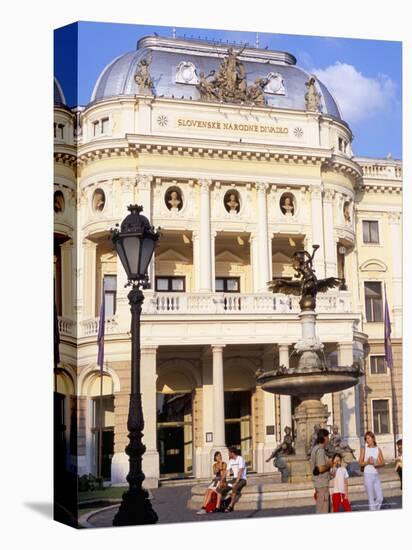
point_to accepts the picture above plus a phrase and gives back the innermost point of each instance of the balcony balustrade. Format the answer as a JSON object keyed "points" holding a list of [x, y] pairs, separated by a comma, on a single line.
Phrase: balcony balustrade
{"points": [[212, 304]]}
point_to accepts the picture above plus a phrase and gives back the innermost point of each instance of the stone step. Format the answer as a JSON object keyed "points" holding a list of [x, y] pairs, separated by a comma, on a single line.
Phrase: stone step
{"points": [[262, 495]]}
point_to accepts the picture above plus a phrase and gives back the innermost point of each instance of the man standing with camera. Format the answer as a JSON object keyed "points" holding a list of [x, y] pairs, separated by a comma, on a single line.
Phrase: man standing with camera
{"points": [[320, 466]]}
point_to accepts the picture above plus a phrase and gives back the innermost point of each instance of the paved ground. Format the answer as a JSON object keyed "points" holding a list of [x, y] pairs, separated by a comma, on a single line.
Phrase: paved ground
{"points": [[170, 505]]}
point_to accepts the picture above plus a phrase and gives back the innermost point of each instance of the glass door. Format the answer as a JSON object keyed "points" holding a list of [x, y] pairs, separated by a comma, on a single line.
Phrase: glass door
{"points": [[103, 427], [238, 430], [175, 434]]}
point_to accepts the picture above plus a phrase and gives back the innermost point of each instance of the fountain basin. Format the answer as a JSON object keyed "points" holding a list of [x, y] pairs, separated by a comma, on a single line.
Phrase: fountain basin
{"points": [[305, 383]]}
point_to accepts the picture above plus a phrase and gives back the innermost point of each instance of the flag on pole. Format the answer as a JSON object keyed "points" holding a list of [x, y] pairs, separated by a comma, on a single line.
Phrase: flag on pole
{"points": [[100, 334], [388, 343], [56, 333]]}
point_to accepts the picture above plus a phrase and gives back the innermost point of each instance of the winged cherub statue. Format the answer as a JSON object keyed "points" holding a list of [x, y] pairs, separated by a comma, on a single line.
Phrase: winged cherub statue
{"points": [[307, 284]]}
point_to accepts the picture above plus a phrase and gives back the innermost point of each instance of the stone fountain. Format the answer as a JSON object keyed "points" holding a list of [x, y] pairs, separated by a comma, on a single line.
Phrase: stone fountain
{"points": [[312, 377]]}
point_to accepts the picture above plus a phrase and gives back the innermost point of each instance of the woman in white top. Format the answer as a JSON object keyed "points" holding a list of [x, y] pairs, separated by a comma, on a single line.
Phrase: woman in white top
{"points": [[371, 458]]}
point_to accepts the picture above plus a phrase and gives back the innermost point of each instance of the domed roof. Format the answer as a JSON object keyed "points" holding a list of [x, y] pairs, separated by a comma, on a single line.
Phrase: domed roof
{"points": [[166, 55], [59, 98]]}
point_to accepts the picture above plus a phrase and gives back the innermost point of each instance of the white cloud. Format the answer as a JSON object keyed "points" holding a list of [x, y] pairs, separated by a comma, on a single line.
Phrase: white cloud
{"points": [[359, 97]]}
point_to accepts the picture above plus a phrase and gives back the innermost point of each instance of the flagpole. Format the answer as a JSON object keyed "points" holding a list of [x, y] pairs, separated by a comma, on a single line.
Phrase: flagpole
{"points": [[389, 364], [393, 414], [100, 362], [56, 338], [101, 424]]}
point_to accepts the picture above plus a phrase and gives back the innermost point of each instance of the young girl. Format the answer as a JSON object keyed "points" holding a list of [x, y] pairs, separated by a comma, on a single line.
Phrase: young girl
{"points": [[340, 489], [219, 471], [371, 458]]}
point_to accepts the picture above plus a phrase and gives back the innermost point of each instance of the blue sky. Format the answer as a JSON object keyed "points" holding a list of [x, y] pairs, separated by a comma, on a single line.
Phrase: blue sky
{"points": [[365, 76]]}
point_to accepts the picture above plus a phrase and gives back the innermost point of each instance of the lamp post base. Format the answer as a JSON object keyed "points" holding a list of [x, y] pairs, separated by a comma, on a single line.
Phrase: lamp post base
{"points": [[135, 509]]}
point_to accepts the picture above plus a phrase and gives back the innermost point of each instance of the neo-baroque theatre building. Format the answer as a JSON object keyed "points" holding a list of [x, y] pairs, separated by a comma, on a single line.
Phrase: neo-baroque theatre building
{"points": [[241, 158]]}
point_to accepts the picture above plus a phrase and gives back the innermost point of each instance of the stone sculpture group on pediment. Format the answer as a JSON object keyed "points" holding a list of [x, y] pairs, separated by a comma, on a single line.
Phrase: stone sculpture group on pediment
{"points": [[227, 84]]}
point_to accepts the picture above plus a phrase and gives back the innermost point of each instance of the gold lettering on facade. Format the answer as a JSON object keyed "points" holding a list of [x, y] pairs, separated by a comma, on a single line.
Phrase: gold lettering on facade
{"points": [[232, 126]]}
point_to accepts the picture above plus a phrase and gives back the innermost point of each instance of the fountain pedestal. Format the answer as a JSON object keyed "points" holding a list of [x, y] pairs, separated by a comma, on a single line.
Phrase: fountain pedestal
{"points": [[308, 381]]}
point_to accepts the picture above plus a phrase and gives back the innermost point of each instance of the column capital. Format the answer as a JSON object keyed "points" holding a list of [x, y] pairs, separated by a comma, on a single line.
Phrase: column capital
{"points": [[127, 184], [284, 347], [217, 348], [143, 181], [394, 218], [345, 347], [87, 243], [205, 184], [328, 195], [316, 191], [149, 349], [261, 186], [67, 244]]}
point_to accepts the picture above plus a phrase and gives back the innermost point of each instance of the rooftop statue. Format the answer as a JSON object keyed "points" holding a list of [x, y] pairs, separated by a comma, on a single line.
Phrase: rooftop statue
{"points": [[307, 284], [206, 88], [255, 93], [312, 96], [229, 83], [142, 77]]}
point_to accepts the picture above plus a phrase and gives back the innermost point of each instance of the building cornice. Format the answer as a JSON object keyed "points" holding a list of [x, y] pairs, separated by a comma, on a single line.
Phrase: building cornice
{"points": [[66, 154]]}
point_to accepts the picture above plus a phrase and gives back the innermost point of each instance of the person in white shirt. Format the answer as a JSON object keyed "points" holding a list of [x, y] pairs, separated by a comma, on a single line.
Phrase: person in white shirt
{"points": [[371, 458], [340, 488], [237, 466]]}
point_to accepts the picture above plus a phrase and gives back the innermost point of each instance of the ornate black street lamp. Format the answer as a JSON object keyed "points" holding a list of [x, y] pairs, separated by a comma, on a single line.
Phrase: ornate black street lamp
{"points": [[135, 244]]}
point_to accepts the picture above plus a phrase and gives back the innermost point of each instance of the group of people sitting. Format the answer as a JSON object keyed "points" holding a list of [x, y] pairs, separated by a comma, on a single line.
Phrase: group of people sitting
{"points": [[228, 481], [329, 475]]}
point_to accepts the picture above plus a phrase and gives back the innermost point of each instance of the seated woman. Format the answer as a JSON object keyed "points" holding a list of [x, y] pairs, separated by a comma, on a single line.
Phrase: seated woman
{"points": [[219, 475]]}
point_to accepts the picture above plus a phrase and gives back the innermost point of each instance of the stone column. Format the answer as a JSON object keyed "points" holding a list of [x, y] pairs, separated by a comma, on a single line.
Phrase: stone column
{"points": [[67, 277], [143, 182], [148, 379], [396, 238], [144, 193], [83, 449], [122, 303], [317, 230], [349, 402], [268, 411], [120, 460], [218, 398], [196, 260], [285, 400], [254, 261], [262, 237], [205, 263], [213, 259], [329, 240], [204, 453], [89, 301]]}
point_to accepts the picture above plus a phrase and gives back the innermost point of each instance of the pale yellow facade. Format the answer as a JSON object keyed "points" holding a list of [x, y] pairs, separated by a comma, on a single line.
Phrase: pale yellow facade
{"points": [[201, 342]]}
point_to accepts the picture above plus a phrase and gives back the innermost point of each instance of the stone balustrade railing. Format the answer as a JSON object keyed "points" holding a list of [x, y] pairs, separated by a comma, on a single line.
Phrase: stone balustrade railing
{"points": [[214, 303], [381, 171], [67, 327], [218, 303], [231, 303], [90, 327]]}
